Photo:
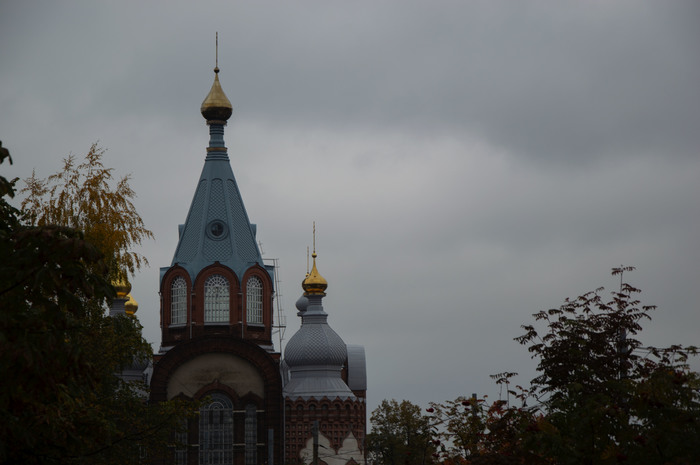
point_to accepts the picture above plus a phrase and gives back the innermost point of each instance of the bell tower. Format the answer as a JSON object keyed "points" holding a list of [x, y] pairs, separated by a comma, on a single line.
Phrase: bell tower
{"points": [[325, 386], [217, 282], [217, 317]]}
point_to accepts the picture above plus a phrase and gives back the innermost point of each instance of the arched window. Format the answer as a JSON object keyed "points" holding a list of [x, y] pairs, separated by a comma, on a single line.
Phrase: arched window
{"points": [[216, 431], [216, 299], [178, 301], [254, 303], [181, 444], [251, 434]]}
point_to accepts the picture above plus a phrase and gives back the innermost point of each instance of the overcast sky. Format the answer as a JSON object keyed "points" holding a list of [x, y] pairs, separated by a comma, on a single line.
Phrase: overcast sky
{"points": [[467, 163]]}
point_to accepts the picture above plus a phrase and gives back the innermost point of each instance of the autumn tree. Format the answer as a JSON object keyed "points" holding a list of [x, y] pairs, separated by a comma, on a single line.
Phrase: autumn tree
{"points": [[401, 435], [62, 400], [85, 197], [474, 431]]}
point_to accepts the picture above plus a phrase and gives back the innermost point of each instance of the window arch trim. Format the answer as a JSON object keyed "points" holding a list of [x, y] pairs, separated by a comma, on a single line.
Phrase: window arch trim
{"points": [[217, 300], [166, 297], [266, 296], [254, 300], [178, 301], [233, 291]]}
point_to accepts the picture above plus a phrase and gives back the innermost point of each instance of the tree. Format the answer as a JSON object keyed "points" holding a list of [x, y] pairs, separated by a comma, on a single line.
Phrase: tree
{"points": [[81, 196], [61, 400], [599, 397], [400, 435], [475, 432], [605, 397]]}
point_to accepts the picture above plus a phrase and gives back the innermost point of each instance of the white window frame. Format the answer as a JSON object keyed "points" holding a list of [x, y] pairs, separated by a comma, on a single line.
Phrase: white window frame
{"points": [[181, 448], [254, 301], [178, 301], [216, 299]]}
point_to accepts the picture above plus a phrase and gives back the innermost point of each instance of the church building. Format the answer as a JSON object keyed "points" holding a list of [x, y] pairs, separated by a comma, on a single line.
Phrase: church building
{"points": [[324, 391], [217, 325]]}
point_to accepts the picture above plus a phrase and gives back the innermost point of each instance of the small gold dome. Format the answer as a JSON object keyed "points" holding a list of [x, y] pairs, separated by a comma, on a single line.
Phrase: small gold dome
{"points": [[216, 106], [131, 306], [315, 284], [123, 287]]}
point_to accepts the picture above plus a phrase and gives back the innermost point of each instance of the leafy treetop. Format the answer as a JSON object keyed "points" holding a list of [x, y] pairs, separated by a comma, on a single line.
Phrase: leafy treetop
{"points": [[600, 395], [82, 196], [65, 401], [400, 435]]}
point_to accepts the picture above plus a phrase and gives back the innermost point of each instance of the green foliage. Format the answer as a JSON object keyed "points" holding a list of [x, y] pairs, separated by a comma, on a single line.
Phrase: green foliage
{"points": [[62, 400], [6, 187], [600, 396], [81, 196], [605, 397], [401, 435]]}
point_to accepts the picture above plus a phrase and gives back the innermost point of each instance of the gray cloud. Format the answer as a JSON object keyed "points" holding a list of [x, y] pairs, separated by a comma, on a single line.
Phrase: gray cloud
{"points": [[467, 163]]}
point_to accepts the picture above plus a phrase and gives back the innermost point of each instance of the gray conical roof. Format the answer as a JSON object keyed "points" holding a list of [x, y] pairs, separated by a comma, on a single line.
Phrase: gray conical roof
{"points": [[217, 226]]}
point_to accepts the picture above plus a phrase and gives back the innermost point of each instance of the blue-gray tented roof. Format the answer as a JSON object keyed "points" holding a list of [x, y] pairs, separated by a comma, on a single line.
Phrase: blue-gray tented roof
{"points": [[217, 226]]}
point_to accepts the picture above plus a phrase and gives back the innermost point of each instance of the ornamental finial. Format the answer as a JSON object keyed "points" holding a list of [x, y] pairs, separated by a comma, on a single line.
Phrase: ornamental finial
{"points": [[314, 282], [216, 107]]}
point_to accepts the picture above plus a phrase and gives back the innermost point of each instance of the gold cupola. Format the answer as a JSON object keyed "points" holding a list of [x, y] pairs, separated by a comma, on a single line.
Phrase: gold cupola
{"points": [[216, 106], [315, 284], [131, 306], [123, 287]]}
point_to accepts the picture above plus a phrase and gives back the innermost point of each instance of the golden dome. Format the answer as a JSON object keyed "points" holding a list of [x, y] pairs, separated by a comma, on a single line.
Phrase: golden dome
{"points": [[314, 284], [123, 287], [216, 106], [131, 306]]}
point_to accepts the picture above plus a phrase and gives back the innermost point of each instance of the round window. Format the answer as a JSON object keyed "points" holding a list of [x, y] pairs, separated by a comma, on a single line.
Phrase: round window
{"points": [[216, 229]]}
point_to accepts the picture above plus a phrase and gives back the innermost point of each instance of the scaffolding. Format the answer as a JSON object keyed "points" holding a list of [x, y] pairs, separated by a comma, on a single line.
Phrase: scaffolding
{"points": [[279, 323]]}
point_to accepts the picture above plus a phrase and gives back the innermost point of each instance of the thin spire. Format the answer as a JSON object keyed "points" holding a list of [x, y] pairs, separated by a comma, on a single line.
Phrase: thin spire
{"points": [[216, 68]]}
